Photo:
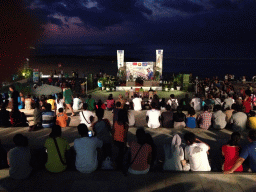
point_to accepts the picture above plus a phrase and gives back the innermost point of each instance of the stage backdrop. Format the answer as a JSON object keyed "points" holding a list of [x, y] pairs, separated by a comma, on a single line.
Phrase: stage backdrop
{"points": [[139, 69]]}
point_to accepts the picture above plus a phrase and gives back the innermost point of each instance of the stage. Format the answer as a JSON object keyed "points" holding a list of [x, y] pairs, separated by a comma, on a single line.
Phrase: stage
{"points": [[127, 88]]}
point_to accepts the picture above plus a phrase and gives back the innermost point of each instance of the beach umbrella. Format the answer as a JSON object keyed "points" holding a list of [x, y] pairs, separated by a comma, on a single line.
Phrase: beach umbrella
{"points": [[46, 90]]}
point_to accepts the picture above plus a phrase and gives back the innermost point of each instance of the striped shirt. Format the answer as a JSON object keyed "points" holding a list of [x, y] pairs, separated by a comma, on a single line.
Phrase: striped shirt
{"points": [[48, 119]]}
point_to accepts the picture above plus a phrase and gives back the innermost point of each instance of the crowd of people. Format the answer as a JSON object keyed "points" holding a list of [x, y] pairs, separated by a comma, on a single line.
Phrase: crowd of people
{"points": [[103, 145]]}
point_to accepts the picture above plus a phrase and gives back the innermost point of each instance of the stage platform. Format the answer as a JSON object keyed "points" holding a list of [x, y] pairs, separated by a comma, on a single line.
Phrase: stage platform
{"points": [[126, 88]]}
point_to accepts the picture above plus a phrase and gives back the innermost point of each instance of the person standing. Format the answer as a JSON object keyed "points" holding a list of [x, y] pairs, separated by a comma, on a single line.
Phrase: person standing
{"points": [[21, 101], [68, 97], [14, 95]]}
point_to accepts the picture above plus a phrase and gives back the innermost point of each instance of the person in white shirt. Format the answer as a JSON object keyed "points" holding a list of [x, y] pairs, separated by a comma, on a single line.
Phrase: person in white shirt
{"points": [[87, 117], [77, 103], [59, 102], [153, 117], [196, 103], [173, 102], [196, 153], [137, 103], [86, 150]]}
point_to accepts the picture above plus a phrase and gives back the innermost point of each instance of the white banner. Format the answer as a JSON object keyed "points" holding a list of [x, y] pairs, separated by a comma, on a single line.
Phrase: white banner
{"points": [[159, 60], [120, 58], [139, 69]]}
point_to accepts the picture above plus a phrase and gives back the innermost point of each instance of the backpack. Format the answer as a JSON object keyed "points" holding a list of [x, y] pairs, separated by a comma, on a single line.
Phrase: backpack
{"points": [[174, 104]]}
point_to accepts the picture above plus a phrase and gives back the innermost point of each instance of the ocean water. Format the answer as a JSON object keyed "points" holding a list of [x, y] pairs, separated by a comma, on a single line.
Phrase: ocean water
{"points": [[204, 60]]}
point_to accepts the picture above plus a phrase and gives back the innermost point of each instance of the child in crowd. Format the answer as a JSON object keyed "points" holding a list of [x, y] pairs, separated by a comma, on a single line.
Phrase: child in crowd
{"points": [[62, 118], [59, 102], [252, 120], [77, 102], [51, 101], [231, 152], [191, 118]]}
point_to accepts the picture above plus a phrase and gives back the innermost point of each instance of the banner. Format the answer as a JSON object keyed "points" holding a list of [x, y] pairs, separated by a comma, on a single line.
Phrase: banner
{"points": [[120, 58], [35, 75], [139, 69], [159, 61]]}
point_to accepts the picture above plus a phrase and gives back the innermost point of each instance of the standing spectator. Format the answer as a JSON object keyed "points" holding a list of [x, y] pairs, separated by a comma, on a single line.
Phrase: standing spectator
{"points": [[56, 148], [91, 103], [179, 119], [231, 152], [205, 118], [238, 120], [86, 150], [247, 152], [21, 101], [228, 102], [174, 154], [19, 158], [102, 130], [28, 103], [62, 118], [137, 103], [119, 134], [247, 102], [14, 95], [110, 103], [196, 153], [252, 120], [67, 95], [141, 153], [167, 117], [173, 102], [218, 118], [48, 117], [191, 118], [196, 103], [77, 103], [153, 117], [51, 101], [87, 117]]}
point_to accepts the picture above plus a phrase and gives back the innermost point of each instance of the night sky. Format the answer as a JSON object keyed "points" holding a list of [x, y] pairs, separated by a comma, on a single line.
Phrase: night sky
{"points": [[27, 22]]}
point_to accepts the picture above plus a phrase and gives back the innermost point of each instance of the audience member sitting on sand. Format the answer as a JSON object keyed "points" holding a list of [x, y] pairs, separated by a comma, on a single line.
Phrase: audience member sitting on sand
{"points": [[17, 118], [62, 119], [137, 106], [238, 119], [77, 102], [28, 103], [91, 103], [179, 119], [218, 118], [37, 118], [247, 152], [100, 104], [173, 102], [56, 148], [167, 117], [205, 119], [131, 117], [252, 120], [196, 153], [21, 101], [116, 111], [48, 117], [153, 117], [191, 118], [247, 102], [19, 158], [59, 102], [102, 130], [230, 151], [86, 150], [87, 117], [173, 154], [196, 103], [51, 101], [110, 102], [4, 115], [141, 153]]}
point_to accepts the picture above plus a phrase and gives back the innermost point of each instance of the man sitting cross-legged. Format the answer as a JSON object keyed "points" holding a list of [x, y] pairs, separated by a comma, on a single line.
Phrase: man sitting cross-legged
{"points": [[153, 117], [196, 153], [86, 150]]}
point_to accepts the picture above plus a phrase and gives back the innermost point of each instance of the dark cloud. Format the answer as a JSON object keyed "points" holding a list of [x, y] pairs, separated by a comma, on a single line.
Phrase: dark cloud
{"points": [[182, 5]]}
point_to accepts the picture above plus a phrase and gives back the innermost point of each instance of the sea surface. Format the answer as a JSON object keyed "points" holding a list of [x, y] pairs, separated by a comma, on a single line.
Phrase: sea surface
{"points": [[203, 60]]}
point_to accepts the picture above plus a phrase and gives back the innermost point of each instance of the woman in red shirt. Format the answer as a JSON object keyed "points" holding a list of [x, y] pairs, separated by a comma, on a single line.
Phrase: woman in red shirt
{"points": [[110, 102], [231, 152]]}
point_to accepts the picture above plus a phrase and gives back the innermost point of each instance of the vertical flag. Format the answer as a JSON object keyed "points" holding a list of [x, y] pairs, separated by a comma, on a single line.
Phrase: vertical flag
{"points": [[159, 60], [120, 58]]}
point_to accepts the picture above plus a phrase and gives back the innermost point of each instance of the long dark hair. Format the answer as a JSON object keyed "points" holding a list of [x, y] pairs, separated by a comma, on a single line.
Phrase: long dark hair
{"points": [[235, 138], [56, 131]]}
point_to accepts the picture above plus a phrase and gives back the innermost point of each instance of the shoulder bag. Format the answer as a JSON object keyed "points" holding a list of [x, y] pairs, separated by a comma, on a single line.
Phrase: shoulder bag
{"points": [[57, 147]]}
